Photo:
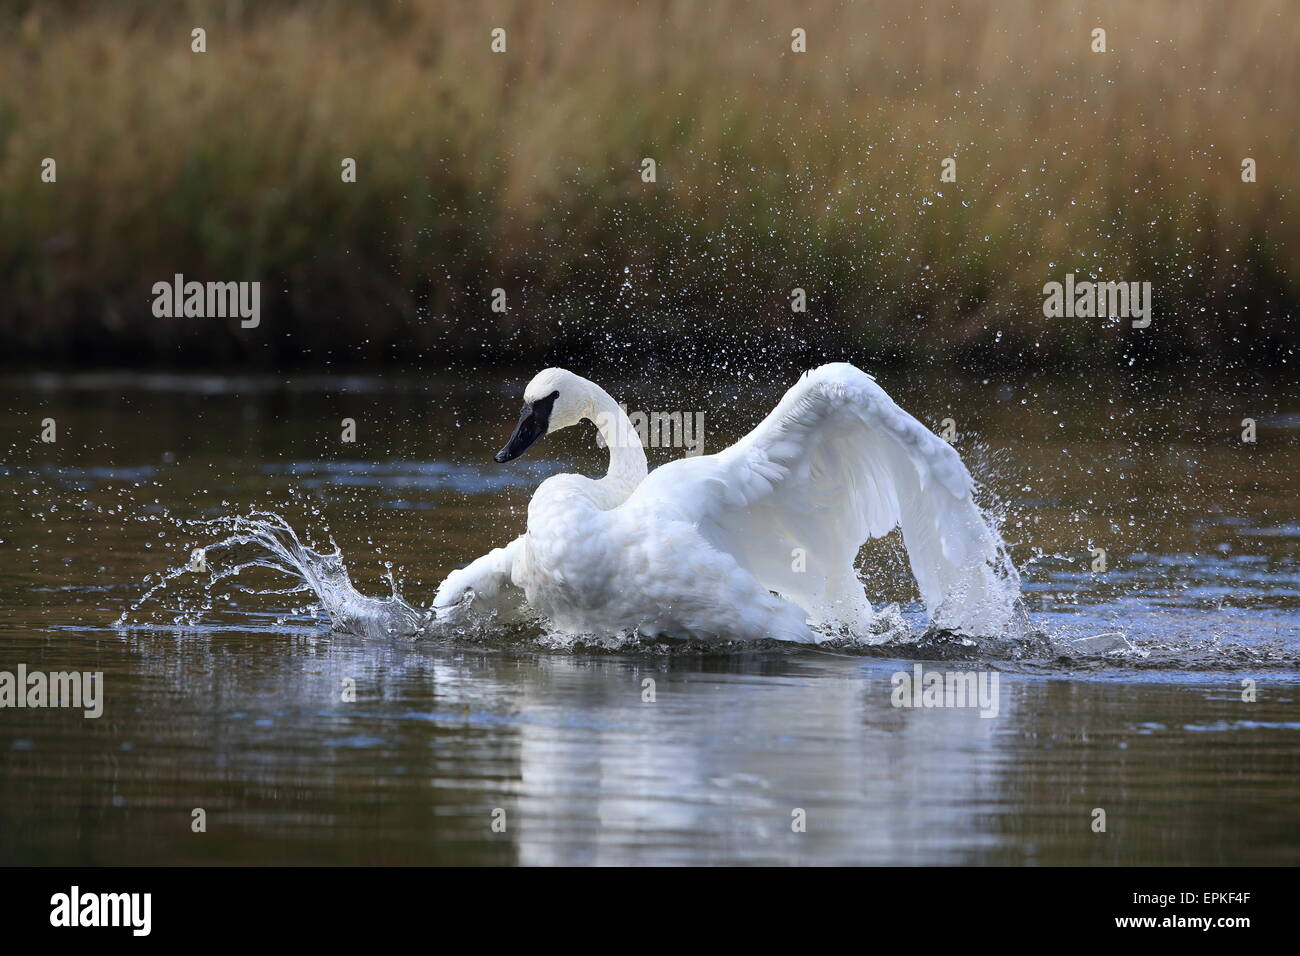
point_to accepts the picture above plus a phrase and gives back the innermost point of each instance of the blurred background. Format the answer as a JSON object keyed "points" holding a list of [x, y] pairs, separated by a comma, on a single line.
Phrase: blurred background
{"points": [[775, 170]]}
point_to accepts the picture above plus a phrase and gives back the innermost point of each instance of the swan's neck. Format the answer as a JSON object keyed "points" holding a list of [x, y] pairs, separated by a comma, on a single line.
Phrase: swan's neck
{"points": [[627, 465]]}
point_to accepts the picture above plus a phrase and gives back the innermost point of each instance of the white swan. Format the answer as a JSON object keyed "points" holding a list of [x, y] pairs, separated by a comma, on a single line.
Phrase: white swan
{"points": [[756, 541]]}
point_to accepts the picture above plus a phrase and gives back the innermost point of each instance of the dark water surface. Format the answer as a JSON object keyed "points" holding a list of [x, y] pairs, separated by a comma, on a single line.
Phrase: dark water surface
{"points": [[231, 701]]}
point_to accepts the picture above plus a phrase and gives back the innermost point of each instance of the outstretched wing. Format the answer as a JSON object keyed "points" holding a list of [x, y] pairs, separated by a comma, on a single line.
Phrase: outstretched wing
{"points": [[838, 462]]}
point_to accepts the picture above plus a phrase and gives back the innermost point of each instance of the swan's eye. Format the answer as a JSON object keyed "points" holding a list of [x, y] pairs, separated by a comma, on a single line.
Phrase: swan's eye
{"points": [[542, 406], [534, 420]]}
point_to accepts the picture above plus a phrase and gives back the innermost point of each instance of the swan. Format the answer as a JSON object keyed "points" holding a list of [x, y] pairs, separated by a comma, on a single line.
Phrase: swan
{"points": [[756, 541]]}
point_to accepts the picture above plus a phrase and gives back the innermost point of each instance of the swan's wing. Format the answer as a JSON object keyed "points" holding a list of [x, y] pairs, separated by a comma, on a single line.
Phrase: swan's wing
{"points": [[484, 586], [838, 462]]}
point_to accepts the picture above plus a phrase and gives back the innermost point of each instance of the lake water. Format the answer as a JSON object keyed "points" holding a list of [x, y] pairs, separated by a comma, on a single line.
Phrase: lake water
{"points": [[1127, 699]]}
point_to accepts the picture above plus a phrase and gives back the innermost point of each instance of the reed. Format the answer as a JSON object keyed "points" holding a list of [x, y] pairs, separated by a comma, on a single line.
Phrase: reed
{"points": [[775, 170]]}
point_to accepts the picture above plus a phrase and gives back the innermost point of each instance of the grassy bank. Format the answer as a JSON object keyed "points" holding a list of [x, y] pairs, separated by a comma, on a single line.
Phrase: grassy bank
{"points": [[521, 171]]}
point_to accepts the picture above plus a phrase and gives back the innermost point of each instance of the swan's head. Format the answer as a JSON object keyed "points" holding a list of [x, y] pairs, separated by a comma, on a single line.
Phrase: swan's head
{"points": [[554, 399]]}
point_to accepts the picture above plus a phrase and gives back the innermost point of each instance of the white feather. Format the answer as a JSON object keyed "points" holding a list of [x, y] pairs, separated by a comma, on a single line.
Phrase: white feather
{"points": [[758, 540]]}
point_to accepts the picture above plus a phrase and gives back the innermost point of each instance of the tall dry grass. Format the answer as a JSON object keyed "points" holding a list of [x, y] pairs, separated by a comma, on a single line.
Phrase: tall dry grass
{"points": [[775, 170]]}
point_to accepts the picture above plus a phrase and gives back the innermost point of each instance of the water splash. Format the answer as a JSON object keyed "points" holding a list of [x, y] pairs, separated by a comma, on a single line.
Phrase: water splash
{"points": [[264, 539]]}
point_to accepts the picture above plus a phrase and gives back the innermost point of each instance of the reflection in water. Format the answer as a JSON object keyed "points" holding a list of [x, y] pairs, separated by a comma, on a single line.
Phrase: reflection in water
{"points": [[717, 768], [253, 730], [232, 700]]}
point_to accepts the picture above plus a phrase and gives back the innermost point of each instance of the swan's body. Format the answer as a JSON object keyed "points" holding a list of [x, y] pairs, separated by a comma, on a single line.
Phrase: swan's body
{"points": [[758, 540]]}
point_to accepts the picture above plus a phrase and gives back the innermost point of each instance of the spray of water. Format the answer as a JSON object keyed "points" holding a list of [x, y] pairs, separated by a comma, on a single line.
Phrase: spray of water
{"points": [[240, 545], [264, 539]]}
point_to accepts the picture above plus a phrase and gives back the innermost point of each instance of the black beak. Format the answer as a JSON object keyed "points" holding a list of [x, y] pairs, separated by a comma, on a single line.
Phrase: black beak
{"points": [[533, 422]]}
